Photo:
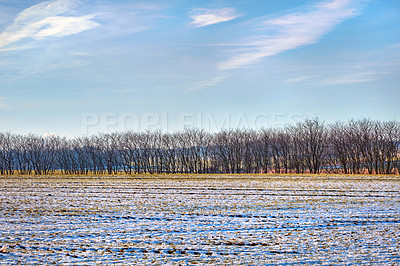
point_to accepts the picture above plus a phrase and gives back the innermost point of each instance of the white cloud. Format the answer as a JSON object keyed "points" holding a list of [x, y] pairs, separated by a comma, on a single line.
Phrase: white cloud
{"points": [[204, 17], [350, 79], [62, 26], [292, 31], [43, 20]]}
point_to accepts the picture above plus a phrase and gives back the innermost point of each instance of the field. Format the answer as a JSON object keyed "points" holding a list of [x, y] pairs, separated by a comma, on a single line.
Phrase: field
{"points": [[220, 219]]}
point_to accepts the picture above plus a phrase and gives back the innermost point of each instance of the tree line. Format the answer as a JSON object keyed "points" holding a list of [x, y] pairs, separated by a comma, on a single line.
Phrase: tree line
{"points": [[355, 147]]}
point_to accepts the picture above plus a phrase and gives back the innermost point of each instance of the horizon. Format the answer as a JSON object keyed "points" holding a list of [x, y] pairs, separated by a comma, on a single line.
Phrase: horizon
{"points": [[123, 65]]}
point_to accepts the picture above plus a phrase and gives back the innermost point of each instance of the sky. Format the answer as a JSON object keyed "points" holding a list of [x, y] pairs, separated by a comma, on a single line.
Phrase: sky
{"points": [[73, 68]]}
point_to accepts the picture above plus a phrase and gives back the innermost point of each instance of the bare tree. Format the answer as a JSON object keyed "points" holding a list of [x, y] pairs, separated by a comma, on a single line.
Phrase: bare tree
{"points": [[356, 146], [313, 136]]}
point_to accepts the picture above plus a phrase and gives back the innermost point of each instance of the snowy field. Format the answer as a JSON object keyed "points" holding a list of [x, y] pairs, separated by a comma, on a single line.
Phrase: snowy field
{"points": [[200, 220]]}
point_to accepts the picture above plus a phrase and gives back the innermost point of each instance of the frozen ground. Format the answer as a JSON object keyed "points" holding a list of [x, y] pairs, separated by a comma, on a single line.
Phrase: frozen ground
{"points": [[221, 220]]}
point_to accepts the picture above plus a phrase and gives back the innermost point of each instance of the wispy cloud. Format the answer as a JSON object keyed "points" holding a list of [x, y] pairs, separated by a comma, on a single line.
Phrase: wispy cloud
{"points": [[44, 20], [204, 17], [350, 79], [292, 31], [302, 78], [123, 18], [206, 83]]}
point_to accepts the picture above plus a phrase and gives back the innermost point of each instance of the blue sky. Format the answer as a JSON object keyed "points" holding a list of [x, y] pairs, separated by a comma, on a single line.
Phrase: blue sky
{"points": [[256, 63]]}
